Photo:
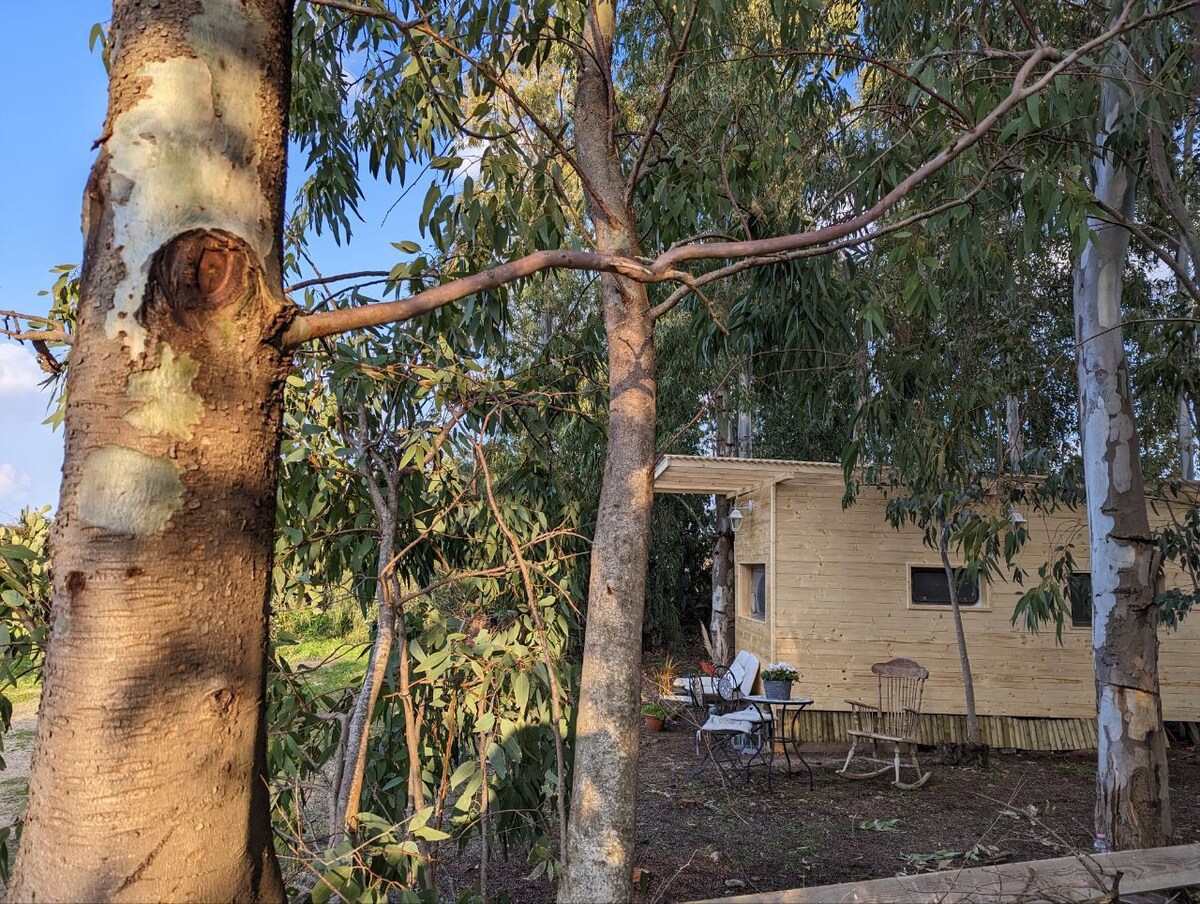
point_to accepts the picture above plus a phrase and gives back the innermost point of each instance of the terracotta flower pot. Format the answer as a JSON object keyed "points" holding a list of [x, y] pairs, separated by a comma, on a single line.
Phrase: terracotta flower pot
{"points": [[653, 723]]}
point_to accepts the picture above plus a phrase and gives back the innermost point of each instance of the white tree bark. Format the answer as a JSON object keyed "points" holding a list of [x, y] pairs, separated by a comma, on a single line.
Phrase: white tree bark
{"points": [[1132, 805]]}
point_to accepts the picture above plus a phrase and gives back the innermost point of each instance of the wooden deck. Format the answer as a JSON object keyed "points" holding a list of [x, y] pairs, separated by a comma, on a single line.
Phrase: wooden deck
{"points": [[1065, 879]]}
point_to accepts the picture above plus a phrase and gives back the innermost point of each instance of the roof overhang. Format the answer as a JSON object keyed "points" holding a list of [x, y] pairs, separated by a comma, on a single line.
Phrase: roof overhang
{"points": [[729, 476]]}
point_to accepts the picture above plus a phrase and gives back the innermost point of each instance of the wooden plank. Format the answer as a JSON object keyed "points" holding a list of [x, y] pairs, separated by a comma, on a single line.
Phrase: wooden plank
{"points": [[1079, 878]]}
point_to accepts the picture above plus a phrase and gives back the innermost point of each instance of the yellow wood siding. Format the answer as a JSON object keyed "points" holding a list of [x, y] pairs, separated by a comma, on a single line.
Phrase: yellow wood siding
{"points": [[752, 546], [838, 601]]}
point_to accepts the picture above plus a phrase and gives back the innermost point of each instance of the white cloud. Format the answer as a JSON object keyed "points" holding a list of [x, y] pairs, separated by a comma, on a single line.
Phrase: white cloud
{"points": [[12, 481], [19, 373], [472, 164]]}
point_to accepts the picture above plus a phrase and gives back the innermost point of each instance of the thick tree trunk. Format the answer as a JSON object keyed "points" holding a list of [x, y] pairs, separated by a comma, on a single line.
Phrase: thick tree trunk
{"points": [[148, 779], [1014, 434], [1132, 805], [722, 620], [600, 837], [745, 418], [721, 623]]}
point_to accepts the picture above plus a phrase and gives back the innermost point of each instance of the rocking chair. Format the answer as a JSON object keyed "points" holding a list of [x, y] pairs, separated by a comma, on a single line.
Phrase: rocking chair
{"points": [[894, 719]]}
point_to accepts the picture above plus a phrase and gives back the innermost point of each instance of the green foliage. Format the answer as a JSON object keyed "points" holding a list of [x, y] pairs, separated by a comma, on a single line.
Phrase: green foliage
{"points": [[655, 711], [25, 589]]}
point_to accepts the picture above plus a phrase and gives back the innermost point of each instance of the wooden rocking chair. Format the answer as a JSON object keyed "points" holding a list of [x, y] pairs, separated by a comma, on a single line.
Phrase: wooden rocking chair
{"points": [[893, 720]]}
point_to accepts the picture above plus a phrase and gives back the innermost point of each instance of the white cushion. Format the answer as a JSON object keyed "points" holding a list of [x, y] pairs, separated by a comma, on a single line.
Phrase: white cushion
{"points": [[743, 720], [744, 669]]}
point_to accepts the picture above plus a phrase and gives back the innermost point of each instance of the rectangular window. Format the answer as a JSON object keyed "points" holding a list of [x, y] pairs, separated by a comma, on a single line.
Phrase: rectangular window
{"points": [[756, 591], [930, 588], [1079, 594]]}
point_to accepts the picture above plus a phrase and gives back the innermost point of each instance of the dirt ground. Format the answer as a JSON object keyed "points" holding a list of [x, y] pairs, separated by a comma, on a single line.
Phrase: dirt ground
{"points": [[697, 839]]}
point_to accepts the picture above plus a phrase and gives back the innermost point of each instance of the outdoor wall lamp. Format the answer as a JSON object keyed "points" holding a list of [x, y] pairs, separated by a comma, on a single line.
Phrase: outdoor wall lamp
{"points": [[1015, 516], [736, 518]]}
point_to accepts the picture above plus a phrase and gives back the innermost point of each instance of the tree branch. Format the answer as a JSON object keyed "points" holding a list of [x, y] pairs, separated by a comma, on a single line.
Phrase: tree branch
{"points": [[656, 116], [664, 267], [1116, 218], [326, 280], [1168, 191]]}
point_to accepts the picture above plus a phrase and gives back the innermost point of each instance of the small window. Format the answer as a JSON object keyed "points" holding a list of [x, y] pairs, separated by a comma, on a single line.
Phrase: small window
{"points": [[1079, 593], [756, 591], [930, 588]]}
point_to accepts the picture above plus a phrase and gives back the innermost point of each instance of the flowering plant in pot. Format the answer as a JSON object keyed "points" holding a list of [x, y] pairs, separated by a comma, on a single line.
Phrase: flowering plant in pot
{"points": [[654, 714], [777, 680]]}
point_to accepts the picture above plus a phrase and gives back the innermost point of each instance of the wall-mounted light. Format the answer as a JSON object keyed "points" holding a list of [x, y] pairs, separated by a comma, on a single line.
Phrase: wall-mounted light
{"points": [[1015, 516], [736, 518]]}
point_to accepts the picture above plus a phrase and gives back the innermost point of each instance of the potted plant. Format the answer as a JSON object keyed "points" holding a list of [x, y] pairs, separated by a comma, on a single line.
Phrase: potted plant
{"points": [[654, 714], [777, 680]]}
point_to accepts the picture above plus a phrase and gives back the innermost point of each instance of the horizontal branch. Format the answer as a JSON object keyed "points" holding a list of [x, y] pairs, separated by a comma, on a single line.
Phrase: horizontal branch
{"points": [[38, 335], [328, 323], [340, 277]]}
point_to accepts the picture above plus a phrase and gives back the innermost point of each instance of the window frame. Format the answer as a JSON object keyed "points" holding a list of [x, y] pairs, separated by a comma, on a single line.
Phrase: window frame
{"points": [[746, 610], [980, 604], [1080, 626]]}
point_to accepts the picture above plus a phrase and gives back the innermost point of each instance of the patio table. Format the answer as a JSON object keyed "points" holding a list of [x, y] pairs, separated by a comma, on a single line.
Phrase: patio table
{"points": [[783, 730]]}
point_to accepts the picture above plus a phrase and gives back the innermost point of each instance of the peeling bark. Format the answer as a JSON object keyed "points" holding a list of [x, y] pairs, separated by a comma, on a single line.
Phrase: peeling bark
{"points": [[148, 779], [722, 621], [1132, 805]]}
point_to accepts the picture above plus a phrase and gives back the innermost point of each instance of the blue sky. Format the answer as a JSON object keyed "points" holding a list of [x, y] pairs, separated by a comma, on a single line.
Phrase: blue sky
{"points": [[54, 100]]}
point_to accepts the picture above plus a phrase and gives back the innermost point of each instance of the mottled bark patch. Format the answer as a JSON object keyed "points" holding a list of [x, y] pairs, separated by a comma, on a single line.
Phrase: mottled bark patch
{"points": [[164, 397], [126, 492], [183, 156]]}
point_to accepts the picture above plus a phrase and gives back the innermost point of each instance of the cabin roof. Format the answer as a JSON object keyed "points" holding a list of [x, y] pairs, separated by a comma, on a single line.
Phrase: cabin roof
{"points": [[730, 476]]}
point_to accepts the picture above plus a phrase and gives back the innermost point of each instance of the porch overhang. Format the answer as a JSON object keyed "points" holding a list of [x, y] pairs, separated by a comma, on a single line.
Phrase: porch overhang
{"points": [[728, 476]]}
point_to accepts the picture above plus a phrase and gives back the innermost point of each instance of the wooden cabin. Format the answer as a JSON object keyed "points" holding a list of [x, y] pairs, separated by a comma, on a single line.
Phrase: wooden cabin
{"points": [[832, 590]]}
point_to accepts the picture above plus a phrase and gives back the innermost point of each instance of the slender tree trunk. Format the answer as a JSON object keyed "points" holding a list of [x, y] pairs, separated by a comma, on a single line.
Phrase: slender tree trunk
{"points": [[600, 836], [1187, 438], [960, 636], [1132, 805], [358, 729], [148, 779]]}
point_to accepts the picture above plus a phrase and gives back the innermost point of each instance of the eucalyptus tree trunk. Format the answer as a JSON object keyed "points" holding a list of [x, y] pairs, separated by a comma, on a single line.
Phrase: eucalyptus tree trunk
{"points": [[1014, 445], [722, 620], [721, 623], [1187, 437], [148, 779], [385, 503], [1132, 805], [960, 636], [745, 418], [600, 837]]}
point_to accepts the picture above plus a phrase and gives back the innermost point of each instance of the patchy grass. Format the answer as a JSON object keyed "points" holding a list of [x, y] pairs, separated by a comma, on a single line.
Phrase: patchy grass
{"points": [[27, 690], [329, 664], [19, 739], [13, 792]]}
